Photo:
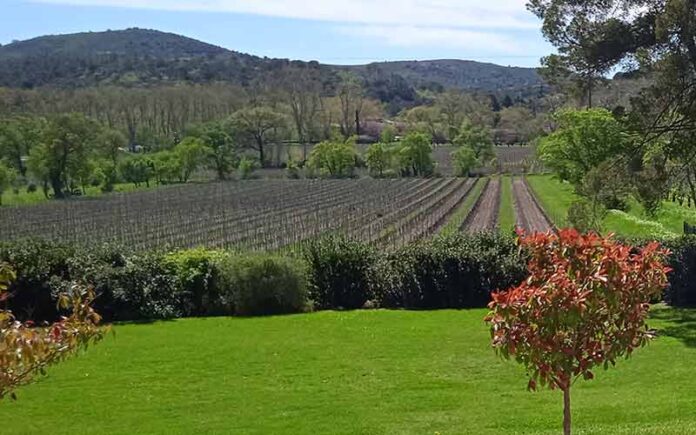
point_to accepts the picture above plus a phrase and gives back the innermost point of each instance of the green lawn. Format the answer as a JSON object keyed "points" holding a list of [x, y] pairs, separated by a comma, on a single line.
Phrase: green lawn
{"points": [[362, 372], [460, 215], [506, 215], [556, 198]]}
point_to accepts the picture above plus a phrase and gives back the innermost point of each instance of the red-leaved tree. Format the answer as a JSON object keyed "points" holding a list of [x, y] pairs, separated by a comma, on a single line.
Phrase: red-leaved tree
{"points": [[583, 306]]}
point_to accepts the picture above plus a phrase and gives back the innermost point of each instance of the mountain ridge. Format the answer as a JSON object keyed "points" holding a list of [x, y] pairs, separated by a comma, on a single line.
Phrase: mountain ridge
{"points": [[146, 57]]}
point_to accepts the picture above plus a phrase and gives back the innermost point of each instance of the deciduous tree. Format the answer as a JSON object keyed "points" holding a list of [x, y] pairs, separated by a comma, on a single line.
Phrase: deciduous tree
{"points": [[583, 306]]}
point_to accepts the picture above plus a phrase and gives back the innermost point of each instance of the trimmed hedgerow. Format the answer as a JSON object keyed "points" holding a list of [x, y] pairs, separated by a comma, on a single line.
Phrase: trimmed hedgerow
{"points": [[455, 271]]}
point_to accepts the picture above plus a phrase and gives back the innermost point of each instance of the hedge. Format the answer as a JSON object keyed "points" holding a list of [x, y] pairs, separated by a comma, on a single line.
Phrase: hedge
{"points": [[458, 271]]}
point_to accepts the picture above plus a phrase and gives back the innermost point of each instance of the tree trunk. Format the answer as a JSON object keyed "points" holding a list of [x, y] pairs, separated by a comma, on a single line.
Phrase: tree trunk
{"points": [[262, 156], [357, 123], [57, 186], [566, 411]]}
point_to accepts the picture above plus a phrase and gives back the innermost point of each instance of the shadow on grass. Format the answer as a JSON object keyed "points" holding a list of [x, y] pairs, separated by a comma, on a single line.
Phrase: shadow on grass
{"points": [[681, 323]]}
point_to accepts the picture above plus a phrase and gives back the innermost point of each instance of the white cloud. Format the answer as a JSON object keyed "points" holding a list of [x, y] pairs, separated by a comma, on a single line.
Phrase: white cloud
{"points": [[499, 14], [415, 36]]}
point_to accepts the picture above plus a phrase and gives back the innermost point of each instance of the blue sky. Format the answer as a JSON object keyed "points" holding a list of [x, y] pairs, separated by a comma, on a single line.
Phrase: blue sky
{"points": [[330, 31]]}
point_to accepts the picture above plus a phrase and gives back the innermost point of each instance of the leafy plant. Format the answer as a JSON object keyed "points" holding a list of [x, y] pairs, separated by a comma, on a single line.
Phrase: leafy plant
{"points": [[584, 305], [340, 272], [26, 350], [263, 284]]}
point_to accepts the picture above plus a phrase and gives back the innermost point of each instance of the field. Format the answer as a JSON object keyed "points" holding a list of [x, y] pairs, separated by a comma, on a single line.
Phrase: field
{"points": [[274, 214], [362, 372]]}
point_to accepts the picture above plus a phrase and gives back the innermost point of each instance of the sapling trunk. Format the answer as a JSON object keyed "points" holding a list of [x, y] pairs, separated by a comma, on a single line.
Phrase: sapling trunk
{"points": [[566, 411]]}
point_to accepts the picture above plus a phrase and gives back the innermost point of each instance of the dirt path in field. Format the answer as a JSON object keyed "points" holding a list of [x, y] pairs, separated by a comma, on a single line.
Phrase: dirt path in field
{"points": [[484, 215], [530, 217]]}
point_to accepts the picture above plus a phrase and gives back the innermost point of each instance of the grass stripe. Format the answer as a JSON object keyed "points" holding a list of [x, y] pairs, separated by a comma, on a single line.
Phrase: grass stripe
{"points": [[464, 209]]}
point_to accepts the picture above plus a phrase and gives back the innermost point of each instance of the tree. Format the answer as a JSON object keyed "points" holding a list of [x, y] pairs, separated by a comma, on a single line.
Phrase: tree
{"points": [[584, 139], [27, 350], [333, 158], [464, 160], [192, 153], [17, 138], [64, 151], [478, 138], [648, 39], [424, 119], [388, 134], [351, 97], [415, 155], [167, 167], [378, 158], [583, 306], [110, 143], [259, 125], [7, 176], [219, 138], [137, 170]]}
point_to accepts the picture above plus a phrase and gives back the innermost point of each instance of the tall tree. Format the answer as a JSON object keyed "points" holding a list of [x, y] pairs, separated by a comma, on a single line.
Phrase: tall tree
{"points": [[64, 151], [259, 124], [219, 137], [351, 96], [18, 135]]}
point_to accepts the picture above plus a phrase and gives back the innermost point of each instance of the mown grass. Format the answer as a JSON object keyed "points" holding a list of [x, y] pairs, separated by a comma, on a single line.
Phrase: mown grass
{"points": [[457, 219], [506, 215], [556, 198], [362, 372]]}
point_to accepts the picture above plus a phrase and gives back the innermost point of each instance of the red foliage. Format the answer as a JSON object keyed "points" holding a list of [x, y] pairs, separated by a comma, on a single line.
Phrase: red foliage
{"points": [[584, 305]]}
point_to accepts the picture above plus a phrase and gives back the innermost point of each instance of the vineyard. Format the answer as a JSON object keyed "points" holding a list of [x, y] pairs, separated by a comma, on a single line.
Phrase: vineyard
{"points": [[274, 214]]}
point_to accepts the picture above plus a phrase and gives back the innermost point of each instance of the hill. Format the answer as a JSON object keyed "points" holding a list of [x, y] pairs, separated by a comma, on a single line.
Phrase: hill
{"points": [[139, 57], [453, 73]]}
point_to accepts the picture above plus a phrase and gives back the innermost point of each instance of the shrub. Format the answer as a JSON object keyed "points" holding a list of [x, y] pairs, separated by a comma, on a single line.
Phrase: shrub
{"points": [[196, 279], [246, 168], [454, 271], [682, 289], [263, 284], [133, 287], [40, 267], [340, 272]]}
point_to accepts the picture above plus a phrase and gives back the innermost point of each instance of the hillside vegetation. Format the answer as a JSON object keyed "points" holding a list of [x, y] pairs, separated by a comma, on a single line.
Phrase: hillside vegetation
{"points": [[146, 57]]}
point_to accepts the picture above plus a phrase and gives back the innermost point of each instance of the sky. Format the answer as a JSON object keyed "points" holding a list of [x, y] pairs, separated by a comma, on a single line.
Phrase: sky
{"points": [[329, 31]]}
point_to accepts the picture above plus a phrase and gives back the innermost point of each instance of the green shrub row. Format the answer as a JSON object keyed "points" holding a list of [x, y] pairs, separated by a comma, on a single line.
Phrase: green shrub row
{"points": [[457, 271]]}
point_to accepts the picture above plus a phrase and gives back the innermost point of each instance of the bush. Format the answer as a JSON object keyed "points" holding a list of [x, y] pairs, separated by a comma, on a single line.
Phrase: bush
{"points": [[682, 289], [457, 271], [246, 168], [139, 288], [195, 273], [340, 272], [263, 284], [41, 267]]}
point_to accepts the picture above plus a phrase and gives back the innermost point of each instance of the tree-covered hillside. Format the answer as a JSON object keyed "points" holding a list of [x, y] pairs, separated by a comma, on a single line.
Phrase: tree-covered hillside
{"points": [[139, 57]]}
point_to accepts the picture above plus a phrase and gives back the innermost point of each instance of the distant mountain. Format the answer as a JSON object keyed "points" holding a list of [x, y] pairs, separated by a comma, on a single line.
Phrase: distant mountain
{"points": [[452, 73], [139, 57], [146, 43]]}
